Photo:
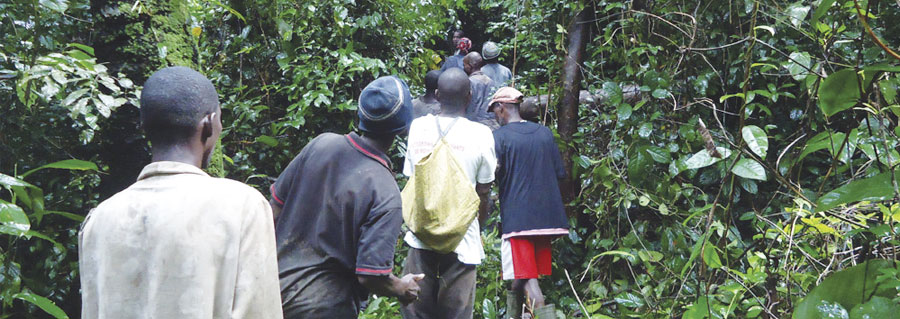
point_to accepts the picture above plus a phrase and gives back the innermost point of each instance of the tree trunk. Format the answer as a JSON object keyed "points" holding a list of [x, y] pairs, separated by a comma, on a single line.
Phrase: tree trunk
{"points": [[567, 125]]}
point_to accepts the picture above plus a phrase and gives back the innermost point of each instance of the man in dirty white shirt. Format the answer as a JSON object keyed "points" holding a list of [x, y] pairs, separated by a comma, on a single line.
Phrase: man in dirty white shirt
{"points": [[179, 243]]}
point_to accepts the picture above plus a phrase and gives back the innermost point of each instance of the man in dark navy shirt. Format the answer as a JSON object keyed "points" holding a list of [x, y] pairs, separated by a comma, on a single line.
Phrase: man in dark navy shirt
{"points": [[338, 213], [531, 207]]}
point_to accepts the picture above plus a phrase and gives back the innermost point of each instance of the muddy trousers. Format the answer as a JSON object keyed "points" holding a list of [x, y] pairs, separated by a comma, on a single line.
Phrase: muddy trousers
{"points": [[448, 290]]}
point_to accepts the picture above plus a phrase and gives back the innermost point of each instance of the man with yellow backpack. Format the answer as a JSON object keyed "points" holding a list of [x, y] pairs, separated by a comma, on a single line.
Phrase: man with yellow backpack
{"points": [[451, 162]]}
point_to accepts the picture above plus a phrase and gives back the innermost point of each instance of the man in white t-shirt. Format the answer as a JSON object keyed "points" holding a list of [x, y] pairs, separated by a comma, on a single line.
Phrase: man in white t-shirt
{"points": [[448, 290]]}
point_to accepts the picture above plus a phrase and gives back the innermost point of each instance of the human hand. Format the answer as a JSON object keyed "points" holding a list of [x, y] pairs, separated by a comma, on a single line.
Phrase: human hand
{"points": [[409, 288]]}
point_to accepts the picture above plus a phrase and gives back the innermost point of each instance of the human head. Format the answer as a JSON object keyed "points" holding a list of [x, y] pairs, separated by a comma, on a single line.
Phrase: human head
{"points": [[454, 90], [464, 44], [472, 62], [180, 107], [490, 51], [529, 109], [457, 34], [505, 104], [385, 107], [431, 81]]}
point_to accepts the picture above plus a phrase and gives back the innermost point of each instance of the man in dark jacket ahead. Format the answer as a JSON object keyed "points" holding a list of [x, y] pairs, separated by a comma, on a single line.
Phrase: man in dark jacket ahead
{"points": [[531, 207], [338, 213], [482, 87]]}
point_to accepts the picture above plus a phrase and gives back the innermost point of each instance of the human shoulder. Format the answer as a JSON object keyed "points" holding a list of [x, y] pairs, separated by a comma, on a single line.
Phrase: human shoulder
{"points": [[229, 189]]}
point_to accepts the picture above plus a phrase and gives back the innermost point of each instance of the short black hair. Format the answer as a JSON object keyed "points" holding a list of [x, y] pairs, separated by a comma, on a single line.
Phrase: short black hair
{"points": [[461, 33], [431, 80], [173, 101]]}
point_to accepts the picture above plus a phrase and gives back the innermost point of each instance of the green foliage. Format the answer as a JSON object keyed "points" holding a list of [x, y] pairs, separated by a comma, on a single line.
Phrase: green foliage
{"points": [[799, 103], [20, 237], [855, 288]]}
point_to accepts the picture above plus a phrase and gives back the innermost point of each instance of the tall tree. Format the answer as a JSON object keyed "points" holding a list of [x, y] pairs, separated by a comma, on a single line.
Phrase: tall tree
{"points": [[568, 108]]}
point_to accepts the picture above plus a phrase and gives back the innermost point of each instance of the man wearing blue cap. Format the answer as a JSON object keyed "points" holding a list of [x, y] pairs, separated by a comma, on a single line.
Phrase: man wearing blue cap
{"points": [[338, 213], [492, 67]]}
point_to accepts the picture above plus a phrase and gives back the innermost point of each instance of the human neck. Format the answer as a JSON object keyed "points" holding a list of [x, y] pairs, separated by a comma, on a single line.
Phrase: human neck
{"points": [[382, 144], [179, 152], [447, 112], [514, 117], [429, 97]]}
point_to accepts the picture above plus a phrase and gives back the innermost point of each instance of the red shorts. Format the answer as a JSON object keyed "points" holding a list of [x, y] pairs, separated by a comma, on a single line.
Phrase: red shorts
{"points": [[526, 257]]}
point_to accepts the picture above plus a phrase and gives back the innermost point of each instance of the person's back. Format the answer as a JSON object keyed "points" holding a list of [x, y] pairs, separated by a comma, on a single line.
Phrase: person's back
{"points": [[338, 212], [448, 289], [492, 68], [482, 87], [428, 104], [338, 181], [499, 74], [179, 243], [531, 207], [527, 176]]}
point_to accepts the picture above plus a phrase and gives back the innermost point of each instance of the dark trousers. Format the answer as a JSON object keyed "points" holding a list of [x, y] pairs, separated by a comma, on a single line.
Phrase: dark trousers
{"points": [[448, 290]]}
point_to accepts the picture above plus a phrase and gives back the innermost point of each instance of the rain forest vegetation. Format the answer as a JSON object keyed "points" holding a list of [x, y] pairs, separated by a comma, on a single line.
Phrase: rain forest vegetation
{"points": [[725, 159]]}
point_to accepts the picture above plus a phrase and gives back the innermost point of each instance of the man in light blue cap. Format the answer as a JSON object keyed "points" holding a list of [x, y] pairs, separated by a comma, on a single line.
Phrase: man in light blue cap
{"points": [[492, 67], [338, 213]]}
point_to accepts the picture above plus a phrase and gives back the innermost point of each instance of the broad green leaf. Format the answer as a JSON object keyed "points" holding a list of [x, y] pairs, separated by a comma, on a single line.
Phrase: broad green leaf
{"points": [[799, 65], [702, 159], [639, 164], [650, 256], [74, 96], [839, 91], [711, 257], [844, 290], [629, 300], [756, 140], [659, 154], [660, 93], [616, 252], [43, 303], [875, 188], [821, 10], [82, 47], [748, 168], [9, 181], [877, 307], [832, 143], [268, 140], [797, 14], [55, 5], [624, 111], [70, 164], [13, 216], [695, 250]]}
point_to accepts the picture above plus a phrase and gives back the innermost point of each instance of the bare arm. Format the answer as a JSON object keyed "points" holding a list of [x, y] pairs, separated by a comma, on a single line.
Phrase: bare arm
{"points": [[484, 192], [405, 289]]}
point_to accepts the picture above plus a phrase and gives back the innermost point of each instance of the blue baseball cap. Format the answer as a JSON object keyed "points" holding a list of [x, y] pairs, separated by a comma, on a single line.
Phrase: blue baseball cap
{"points": [[385, 106]]}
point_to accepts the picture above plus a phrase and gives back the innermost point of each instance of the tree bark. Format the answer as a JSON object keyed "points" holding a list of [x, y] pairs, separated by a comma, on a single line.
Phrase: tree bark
{"points": [[567, 125]]}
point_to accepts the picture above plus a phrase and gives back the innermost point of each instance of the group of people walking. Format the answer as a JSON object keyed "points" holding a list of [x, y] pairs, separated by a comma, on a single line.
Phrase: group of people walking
{"points": [[181, 244]]}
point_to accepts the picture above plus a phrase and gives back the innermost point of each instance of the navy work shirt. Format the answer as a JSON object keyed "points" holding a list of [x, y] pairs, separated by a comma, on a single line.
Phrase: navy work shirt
{"points": [[341, 216], [529, 166]]}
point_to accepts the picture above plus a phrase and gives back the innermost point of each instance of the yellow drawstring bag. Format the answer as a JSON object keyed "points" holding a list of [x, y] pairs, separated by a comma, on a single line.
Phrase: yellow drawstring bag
{"points": [[439, 201]]}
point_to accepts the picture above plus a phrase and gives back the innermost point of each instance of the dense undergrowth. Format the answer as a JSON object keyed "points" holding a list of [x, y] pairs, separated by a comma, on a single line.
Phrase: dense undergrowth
{"points": [[758, 158]]}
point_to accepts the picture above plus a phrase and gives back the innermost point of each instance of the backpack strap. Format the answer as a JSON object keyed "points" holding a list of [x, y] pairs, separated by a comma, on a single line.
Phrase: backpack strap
{"points": [[442, 133]]}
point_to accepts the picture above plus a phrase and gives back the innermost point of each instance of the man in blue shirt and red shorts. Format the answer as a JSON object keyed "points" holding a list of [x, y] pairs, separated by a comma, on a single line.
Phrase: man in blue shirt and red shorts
{"points": [[531, 207]]}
